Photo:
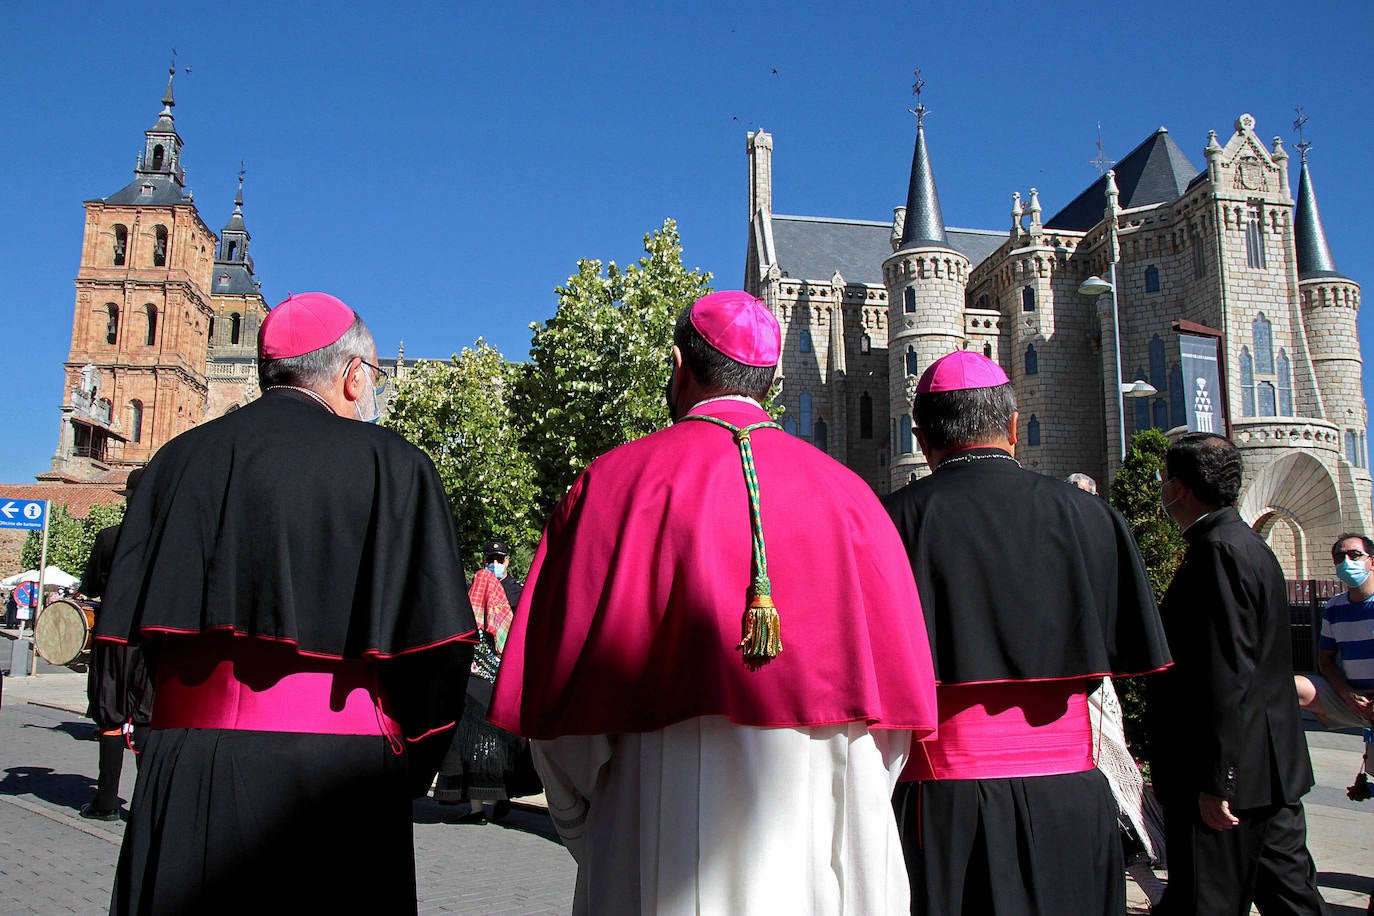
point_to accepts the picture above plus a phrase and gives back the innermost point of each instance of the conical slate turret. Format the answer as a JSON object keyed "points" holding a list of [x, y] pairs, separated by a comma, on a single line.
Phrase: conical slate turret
{"points": [[925, 224], [1314, 253]]}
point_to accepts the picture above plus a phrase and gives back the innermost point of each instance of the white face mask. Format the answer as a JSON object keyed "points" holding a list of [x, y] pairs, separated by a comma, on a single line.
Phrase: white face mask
{"points": [[367, 408], [499, 569]]}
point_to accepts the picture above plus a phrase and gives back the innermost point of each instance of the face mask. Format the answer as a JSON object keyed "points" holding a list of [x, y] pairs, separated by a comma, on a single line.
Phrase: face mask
{"points": [[1165, 504], [1352, 572], [367, 408], [499, 569]]}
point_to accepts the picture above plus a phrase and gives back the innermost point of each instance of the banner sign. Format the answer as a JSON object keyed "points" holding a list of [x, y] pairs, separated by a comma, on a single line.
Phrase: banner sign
{"points": [[1200, 358]]}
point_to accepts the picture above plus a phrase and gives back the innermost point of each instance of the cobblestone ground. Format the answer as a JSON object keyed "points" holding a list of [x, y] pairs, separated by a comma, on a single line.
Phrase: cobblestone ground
{"points": [[54, 862]]}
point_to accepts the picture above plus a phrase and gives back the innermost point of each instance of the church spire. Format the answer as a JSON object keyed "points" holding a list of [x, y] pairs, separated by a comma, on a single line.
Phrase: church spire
{"points": [[1314, 253], [925, 224]]}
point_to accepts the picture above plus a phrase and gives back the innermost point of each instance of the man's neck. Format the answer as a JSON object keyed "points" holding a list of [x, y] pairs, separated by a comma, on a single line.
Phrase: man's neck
{"points": [[1362, 592]]}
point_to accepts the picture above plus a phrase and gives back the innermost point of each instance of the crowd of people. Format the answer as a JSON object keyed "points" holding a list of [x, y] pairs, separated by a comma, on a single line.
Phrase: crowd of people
{"points": [[746, 683]]}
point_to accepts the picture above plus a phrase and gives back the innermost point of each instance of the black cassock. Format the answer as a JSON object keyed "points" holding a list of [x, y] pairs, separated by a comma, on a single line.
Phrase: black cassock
{"points": [[1022, 578], [303, 536]]}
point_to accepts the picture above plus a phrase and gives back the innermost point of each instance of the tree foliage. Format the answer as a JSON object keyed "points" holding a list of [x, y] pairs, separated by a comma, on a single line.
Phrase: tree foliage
{"points": [[69, 539], [598, 367], [1135, 493], [459, 413]]}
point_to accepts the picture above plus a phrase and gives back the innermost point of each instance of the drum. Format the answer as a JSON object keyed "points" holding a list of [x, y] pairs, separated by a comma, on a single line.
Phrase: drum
{"points": [[62, 633]]}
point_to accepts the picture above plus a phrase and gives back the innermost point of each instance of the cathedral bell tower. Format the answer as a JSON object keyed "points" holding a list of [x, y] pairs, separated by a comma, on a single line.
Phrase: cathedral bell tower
{"points": [[135, 374], [239, 309]]}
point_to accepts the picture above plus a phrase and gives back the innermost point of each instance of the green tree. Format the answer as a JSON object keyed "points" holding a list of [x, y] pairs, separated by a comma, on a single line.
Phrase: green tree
{"points": [[459, 413], [69, 538], [1135, 493], [598, 367]]}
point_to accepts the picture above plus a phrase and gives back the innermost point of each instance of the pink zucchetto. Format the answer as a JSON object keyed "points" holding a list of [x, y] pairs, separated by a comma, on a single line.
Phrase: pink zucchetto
{"points": [[959, 371], [304, 322], [738, 325]]}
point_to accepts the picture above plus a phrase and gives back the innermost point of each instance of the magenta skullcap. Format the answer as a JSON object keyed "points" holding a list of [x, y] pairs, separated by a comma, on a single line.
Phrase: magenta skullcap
{"points": [[959, 371], [738, 325], [304, 322]]}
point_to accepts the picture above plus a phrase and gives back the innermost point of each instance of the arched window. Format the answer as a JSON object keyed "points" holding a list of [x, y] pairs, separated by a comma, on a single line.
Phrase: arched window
{"points": [[805, 341], [111, 322], [1142, 407], [1247, 383], [150, 312], [904, 433], [909, 299], [1352, 447], [211, 332], [1254, 236], [820, 436], [1268, 405], [1157, 375], [235, 327], [1033, 431], [1032, 360], [789, 425], [1152, 279], [1161, 414], [804, 415], [987, 350], [865, 343], [158, 156], [121, 243], [1028, 299], [135, 421], [1285, 385], [1178, 407], [159, 246], [913, 365], [1199, 261], [233, 251], [865, 416], [1264, 345]]}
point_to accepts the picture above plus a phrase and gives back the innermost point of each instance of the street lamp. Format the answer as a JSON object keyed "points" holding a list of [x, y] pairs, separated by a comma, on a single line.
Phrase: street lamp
{"points": [[1096, 286]]}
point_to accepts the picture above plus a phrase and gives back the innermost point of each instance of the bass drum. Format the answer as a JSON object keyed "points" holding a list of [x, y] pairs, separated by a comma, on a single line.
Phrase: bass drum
{"points": [[62, 633]]}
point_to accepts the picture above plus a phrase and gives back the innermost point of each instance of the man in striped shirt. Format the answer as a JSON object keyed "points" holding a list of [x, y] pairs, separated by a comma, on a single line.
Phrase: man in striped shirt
{"points": [[1340, 695]]}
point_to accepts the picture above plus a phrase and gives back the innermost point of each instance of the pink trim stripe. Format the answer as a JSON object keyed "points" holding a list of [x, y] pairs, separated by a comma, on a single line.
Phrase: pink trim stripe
{"points": [[229, 629]]}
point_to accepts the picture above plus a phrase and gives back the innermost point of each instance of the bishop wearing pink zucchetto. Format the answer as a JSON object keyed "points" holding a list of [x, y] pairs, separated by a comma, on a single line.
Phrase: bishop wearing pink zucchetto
{"points": [[719, 656], [1032, 591]]}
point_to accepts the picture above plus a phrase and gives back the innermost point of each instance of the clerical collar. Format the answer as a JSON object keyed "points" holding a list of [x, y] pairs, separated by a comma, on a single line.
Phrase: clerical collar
{"points": [[726, 397], [314, 396]]}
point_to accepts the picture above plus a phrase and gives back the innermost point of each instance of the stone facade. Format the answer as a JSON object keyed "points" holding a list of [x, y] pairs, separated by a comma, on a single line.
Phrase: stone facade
{"points": [[1214, 251]]}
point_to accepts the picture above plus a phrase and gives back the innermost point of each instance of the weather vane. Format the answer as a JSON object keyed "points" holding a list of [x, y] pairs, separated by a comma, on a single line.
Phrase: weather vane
{"points": [[1101, 160], [920, 111], [1303, 144]]}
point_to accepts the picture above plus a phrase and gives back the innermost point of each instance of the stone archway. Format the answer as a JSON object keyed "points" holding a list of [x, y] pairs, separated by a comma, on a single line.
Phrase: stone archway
{"points": [[1293, 503]]}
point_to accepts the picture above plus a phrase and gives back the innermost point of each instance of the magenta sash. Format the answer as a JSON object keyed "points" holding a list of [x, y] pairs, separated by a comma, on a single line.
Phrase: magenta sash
{"points": [[1004, 730]]}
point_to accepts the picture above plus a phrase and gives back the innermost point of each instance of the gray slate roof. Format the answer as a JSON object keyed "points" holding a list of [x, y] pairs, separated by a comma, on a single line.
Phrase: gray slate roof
{"points": [[813, 247], [1314, 252], [165, 192], [1155, 172], [240, 281]]}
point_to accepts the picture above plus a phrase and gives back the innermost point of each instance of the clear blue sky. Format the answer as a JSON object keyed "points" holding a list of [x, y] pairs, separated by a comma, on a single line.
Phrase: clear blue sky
{"points": [[442, 167]]}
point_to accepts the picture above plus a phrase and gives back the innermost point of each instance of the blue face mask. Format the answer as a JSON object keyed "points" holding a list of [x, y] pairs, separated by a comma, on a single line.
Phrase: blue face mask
{"points": [[1352, 572], [499, 569]]}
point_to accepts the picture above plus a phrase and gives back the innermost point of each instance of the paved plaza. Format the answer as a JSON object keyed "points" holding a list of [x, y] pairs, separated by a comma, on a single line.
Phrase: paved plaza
{"points": [[54, 862]]}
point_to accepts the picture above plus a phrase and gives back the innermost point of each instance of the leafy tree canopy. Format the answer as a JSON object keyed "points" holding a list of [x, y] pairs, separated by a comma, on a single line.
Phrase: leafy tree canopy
{"points": [[598, 367], [69, 539]]}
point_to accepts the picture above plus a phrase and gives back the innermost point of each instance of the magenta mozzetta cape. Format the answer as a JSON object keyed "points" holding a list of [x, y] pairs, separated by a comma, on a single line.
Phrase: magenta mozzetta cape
{"points": [[632, 610]]}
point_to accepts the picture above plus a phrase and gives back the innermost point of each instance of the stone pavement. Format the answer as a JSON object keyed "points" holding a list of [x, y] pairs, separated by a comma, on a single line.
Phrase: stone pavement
{"points": [[53, 862]]}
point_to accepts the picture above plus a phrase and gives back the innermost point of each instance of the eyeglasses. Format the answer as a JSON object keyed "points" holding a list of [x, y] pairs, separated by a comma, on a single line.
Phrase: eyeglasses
{"points": [[380, 380], [1160, 478], [1356, 555]]}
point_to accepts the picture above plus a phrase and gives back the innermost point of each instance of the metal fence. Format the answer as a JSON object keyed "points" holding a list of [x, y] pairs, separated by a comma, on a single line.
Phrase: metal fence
{"points": [[1306, 598]]}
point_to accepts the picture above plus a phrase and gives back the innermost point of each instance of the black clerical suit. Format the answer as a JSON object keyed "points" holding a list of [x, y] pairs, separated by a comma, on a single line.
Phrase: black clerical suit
{"points": [[1225, 722]]}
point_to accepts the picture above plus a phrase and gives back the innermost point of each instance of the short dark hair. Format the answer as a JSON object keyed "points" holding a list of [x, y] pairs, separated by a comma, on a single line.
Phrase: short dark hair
{"points": [[953, 419], [1368, 544], [1207, 464], [717, 372], [317, 368]]}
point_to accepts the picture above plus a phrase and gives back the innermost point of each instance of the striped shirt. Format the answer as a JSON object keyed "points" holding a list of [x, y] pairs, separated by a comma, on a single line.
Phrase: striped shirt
{"points": [[1348, 629]]}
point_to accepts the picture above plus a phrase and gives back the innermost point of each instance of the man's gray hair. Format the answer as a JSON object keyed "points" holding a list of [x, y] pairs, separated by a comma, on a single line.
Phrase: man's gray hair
{"points": [[957, 419], [1078, 478], [317, 369]]}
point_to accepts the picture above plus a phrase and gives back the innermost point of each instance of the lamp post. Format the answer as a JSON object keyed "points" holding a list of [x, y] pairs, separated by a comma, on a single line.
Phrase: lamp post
{"points": [[1096, 286]]}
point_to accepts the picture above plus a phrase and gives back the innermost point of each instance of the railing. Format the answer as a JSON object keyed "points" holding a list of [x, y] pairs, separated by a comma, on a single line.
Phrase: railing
{"points": [[98, 411], [1306, 598]]}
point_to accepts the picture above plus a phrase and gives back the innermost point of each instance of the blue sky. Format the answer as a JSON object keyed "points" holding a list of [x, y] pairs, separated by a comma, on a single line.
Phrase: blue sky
{"points": [[441, 167]]}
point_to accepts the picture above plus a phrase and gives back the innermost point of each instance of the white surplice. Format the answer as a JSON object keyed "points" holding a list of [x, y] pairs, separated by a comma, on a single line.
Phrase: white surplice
{"points": [[708, 817]]}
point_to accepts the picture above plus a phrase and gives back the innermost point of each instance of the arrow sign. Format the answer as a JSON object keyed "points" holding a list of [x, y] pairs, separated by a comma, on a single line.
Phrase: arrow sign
{"points": [[23, 513]]}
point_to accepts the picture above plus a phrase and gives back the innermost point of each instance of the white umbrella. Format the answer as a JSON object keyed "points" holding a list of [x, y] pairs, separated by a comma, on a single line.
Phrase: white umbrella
{"points": [[52, 576]]}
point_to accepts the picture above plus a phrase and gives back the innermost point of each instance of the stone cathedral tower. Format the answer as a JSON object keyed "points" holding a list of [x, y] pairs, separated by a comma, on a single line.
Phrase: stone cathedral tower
{"points": [[135, 375]]}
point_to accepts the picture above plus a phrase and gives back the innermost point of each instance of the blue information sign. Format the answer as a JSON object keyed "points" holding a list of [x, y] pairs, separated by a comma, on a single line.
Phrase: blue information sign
{"points": [[23, 513]]}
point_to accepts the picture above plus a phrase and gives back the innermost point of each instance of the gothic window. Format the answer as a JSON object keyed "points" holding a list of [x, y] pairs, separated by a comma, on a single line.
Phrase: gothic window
{"points": [[1032, 361], [158, 156], [150, 337], [1254, 236], [211, 332], [1028, 299], [1157, 376], [1033, 431], [789, 425], [1264, 345], [865, 344], [909, 299], [982, 301], [820, 436], [904, 433], [136, 421], [805, 341], [865, 416], [1152, 279], [804, 415], [1160, 420], [987, 350], [1142, 407], [160, 246], [1247, 383], [235, 326], [913, 365], [121, 243], [1178, 408], [111, 322], [1199, 256], [233, 251], [1267, 404], [1285, 385]]}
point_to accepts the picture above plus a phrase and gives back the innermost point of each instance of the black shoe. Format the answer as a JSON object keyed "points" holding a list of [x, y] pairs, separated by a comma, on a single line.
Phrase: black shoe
{"points": [[95, 814], [472, 817], [499, 810]]}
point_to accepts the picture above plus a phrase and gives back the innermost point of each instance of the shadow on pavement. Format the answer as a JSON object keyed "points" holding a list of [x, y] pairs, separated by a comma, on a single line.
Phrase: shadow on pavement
{"points": [[70, 790], [1344, 881], [78, 731], [523, 818]]}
